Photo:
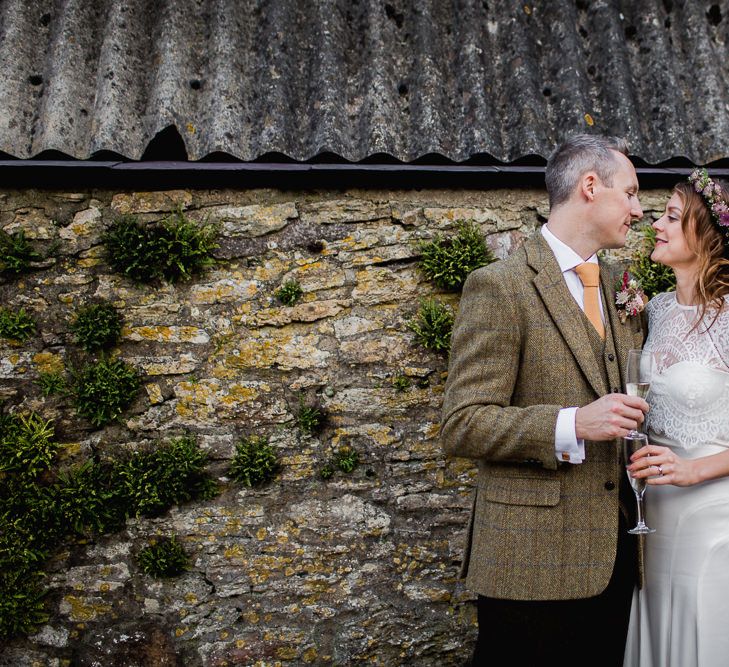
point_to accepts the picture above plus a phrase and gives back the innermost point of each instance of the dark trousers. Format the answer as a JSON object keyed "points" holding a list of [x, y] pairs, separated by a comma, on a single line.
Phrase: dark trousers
{"points": [[587, 632]]}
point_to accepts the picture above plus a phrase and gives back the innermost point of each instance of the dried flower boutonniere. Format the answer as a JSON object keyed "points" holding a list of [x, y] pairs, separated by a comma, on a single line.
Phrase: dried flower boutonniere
{"points": [[630, 299]]}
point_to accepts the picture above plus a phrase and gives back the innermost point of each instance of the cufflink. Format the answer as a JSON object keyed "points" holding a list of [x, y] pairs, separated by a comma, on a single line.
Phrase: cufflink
{"points": [[565, 456]]}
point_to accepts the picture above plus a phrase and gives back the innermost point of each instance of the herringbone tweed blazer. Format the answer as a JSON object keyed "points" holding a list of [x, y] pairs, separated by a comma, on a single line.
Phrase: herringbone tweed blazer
{"points": [[540, 529]]}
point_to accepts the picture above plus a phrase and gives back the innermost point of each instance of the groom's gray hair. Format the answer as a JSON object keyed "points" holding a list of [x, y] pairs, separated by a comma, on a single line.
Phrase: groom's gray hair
{"points": [[575, 156]]}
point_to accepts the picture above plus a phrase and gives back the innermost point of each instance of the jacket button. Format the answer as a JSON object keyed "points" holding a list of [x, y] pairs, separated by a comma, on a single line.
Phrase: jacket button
{"points": [[611, 357], [616, 390], [609, 485]]}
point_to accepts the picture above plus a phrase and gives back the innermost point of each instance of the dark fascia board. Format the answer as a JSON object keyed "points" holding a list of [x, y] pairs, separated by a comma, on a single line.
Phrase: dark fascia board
{"points": [[122, 175]]}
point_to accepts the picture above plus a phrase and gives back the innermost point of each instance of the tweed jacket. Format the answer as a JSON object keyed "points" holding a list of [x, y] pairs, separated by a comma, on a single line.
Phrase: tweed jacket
{"points": [[540, 529]]}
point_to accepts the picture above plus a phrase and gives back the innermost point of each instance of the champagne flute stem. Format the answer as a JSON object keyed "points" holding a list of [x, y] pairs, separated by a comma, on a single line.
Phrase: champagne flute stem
{"points": [[641, 514]]}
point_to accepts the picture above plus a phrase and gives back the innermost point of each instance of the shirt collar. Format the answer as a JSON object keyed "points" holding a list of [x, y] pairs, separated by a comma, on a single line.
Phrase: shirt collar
{"points": [[567, 258]]}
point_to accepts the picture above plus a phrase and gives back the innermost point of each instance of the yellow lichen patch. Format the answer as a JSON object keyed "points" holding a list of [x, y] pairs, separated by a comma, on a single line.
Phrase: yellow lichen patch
{"points": [[238, 393], [222, 372], [273, 268], [88, 262], [379, 433], [79, 609], [47, 362], [196, 399], [255, 353], [236, 551], [309, 655], [251, 617], [155, 393], [181, 631], [263, 567], [232, 526], [287, 652], [150, 202], [166, 334], [69, 450], [191, 598]]}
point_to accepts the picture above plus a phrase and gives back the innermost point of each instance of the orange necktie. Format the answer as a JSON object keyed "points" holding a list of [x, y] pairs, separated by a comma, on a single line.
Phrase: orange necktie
{"points": [[589, 274]]}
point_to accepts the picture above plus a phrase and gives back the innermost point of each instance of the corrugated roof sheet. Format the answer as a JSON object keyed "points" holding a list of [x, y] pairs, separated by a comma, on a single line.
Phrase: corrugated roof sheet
{"points": [[357, 78]]}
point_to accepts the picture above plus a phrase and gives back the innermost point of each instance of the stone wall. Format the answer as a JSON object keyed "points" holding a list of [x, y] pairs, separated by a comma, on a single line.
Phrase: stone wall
{"points": [[361, 568]]}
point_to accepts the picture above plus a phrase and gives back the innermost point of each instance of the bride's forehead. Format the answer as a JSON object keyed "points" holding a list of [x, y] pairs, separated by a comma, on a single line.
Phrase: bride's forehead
{"points": [[675, 202]]}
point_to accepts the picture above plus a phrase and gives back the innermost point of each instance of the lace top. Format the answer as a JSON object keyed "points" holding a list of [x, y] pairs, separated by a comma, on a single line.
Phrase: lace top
{"points": [[689, 395]]}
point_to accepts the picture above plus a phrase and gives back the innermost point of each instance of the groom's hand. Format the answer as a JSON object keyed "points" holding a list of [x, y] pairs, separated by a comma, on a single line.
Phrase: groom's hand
{"points": [[609, 417]]}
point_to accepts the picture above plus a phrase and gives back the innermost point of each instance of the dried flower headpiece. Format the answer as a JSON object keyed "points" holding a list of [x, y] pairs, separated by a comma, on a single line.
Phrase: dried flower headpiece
{"points": [[714, 198]]}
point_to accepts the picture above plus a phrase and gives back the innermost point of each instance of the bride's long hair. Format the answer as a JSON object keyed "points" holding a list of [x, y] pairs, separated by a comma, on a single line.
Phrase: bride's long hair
{"points": [[702, 236]]}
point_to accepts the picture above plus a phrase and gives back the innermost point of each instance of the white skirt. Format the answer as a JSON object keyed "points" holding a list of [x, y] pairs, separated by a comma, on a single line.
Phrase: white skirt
{"points": [[680, 618]]}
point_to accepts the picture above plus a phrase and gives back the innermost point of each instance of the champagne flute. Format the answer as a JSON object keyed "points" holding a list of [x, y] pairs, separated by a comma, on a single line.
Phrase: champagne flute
{"points": [[638, 373], [631, 444]]}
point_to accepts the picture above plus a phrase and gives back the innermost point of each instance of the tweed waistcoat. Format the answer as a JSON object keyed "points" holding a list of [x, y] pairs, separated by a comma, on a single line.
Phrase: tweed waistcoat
{"points": [[599, 345]]}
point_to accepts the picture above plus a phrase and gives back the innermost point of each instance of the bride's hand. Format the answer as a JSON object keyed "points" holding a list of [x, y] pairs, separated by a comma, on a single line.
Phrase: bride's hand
{"points": [[660, 465]]}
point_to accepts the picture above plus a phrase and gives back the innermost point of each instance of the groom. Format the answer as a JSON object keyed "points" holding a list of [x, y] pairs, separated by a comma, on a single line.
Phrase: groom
{"points": [[534, 397]]}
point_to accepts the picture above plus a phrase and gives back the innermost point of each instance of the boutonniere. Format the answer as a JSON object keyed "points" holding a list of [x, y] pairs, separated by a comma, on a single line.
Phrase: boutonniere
{"points": [[630, 299]]}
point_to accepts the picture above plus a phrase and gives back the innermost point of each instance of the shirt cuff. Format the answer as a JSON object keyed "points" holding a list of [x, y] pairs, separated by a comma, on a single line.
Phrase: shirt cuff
{"points": [[567, 446]]}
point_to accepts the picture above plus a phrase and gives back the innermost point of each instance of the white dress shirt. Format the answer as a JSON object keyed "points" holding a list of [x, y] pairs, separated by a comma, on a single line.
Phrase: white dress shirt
{"points": [[567, 446]]}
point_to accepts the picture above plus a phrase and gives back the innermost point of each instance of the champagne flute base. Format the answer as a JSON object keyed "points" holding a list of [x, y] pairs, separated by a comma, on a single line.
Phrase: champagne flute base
{"points": [[641, 530]]}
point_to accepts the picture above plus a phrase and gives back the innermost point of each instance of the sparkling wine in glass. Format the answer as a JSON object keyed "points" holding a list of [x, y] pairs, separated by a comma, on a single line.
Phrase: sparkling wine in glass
{"points": [[631, 444], [638, 373]]}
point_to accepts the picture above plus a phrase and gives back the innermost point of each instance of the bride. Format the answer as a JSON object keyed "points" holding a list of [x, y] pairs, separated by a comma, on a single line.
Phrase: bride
{"points": [[679, 617]]}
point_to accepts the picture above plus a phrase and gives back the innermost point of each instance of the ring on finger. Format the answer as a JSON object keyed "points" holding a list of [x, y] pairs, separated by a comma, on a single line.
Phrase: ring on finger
{"points": [[660, 470]]}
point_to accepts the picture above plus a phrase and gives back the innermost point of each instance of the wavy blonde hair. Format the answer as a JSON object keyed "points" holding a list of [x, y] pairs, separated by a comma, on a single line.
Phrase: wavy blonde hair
{"points": [[703, 238]]}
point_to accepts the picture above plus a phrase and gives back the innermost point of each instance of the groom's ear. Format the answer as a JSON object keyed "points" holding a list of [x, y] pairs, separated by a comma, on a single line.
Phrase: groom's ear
{"points": [[588, 184]]}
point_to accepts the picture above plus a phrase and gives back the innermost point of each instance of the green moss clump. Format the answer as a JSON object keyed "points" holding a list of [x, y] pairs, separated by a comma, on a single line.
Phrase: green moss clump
{"points": [[16, 325], [22, 603], [26, 444], [97, 326], [89, 500], [39, 508], [188, 247], [173, 250], [346, 459], [103, 389], [254, 462], [448, 261], [433, 325], [16, 254], [309, 418], [401, 383], [163, 558], [653, 277], [28, 520], [289, 293], [149, 482], [51, 382]]}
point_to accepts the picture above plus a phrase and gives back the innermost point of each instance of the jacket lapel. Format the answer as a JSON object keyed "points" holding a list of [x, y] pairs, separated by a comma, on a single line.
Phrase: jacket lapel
{"points": [[563, 309]]}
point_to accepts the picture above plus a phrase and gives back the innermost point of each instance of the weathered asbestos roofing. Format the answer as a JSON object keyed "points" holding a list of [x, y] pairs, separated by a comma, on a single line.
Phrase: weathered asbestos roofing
{"points": [[363, 78]]}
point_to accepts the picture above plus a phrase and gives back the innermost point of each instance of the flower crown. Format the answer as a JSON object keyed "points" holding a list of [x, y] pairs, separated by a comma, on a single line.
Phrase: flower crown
{"points": [[714, 199]]}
